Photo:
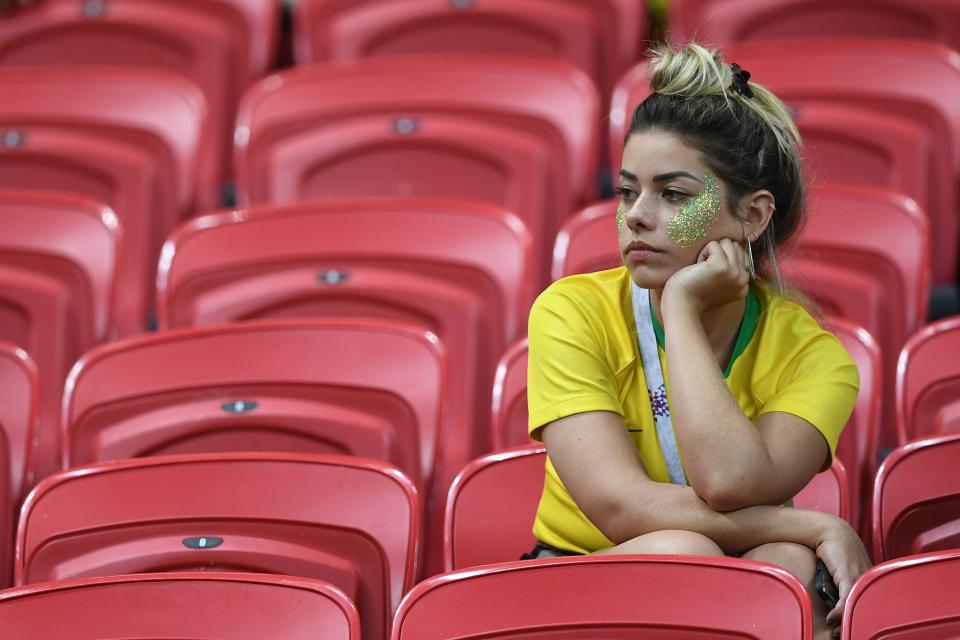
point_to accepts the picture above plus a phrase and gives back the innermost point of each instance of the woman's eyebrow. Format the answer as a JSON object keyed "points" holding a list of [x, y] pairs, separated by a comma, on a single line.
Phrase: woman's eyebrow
{"points": [[675, 174]]}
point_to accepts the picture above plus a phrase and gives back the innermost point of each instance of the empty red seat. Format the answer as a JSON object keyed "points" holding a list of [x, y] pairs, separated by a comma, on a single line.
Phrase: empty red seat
{"points": [[724, 22], [350, 521], [853, 145], [58, 269], [914, 598], [589, 35], [668, 597], [509, 409], [222, 45], [305, 386], [586, 242], [857, 447], [916, 499], [154, 606], [19, 409], [928, 382], [915, 80], [423, 124], [492, 504], [130, 138]]}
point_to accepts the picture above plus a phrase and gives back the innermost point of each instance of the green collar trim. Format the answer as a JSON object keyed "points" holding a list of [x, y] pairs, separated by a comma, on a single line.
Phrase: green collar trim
{"points": [[748, 326]]}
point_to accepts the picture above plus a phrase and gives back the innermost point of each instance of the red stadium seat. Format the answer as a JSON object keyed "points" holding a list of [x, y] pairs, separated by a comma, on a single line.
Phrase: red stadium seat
{"points": [[858, 444], [18, 425], [414, 97], [587, 242], [153, 605], [863, 255], [127, 137], [317, 386], [928, 382], [581, 33], [914, 598], [914, 80], [350, 521], [58, 269], [222, 45], [856, 146], [492, 503], [725, 22], [509, 408], [664, 597], [916, 499]]}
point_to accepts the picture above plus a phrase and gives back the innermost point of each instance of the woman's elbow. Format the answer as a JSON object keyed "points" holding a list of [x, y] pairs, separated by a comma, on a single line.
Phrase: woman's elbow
{"points": [[725, 494]]}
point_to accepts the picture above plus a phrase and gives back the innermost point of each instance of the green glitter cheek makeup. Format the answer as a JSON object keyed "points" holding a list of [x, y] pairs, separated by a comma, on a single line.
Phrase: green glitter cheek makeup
{"points": [[696, 216], [620, 214]]}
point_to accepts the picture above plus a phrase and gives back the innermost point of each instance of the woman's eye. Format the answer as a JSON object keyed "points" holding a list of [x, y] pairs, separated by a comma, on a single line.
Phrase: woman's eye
{"points": [[671, 195], [626, 194]]}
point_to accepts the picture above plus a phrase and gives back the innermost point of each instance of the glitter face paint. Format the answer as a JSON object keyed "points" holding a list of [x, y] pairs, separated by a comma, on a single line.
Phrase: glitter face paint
{"points": [[620, 214], [693, 222]]}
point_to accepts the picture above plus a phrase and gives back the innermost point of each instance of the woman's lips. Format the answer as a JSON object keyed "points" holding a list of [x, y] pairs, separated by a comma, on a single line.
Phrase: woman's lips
{"points": [[641, 252]]}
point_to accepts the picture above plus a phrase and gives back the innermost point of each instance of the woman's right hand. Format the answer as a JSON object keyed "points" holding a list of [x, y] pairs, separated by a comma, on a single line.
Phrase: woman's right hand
{"points": [[846, 559]]}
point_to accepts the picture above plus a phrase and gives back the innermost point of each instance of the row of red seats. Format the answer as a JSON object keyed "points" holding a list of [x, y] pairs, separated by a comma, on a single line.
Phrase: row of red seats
{"points": [[912, 597], [345, 386], [355, 522], [519, 132]]}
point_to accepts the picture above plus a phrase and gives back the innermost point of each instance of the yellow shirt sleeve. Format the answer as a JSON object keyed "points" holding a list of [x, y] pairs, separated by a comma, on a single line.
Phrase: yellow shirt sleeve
{"points": [[567, 372], [820, 385]]}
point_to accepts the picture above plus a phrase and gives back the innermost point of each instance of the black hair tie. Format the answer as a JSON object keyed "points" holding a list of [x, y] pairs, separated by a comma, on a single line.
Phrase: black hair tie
{"points": [[740, 78]]}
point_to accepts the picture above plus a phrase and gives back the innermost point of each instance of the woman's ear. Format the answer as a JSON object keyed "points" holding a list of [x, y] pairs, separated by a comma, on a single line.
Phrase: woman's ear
{"points": [[756, 209]]}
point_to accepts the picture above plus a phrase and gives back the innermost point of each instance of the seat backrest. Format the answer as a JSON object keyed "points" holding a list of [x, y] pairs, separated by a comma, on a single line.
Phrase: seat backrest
{"points": [[911, 598], [491, 506], [858, 443], [350, 521], [587, 242], [916, 499], [19, 409], [116, 173], [681, 596], [543, 98], [912, 79], [306, 386], [724, 22], [58, 265], [221, 605], [568, 31], [509, 409], [928, 382], [853, 145]]}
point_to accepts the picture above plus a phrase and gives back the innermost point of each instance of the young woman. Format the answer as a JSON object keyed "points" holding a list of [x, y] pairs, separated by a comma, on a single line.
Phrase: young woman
{"points": [[703, 460]]}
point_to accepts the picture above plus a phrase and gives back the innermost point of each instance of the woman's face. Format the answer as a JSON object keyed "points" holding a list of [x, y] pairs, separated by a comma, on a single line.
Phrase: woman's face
{"points": [[671, 206]]}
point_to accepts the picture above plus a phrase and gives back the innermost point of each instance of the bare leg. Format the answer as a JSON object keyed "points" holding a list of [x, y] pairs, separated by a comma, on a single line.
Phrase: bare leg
{"points": [[685, 543], [801, 562]]}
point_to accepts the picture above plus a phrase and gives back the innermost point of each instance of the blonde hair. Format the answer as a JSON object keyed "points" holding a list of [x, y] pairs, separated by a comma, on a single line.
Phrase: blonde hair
{"points": [[745, 133]]}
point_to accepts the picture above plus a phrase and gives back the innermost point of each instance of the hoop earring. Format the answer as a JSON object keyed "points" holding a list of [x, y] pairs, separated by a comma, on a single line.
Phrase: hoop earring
{"points": [[750, 264]]}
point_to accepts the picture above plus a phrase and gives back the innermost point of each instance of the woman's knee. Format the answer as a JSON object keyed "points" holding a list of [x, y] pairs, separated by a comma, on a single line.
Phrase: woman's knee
{"points": [[798, 559], [675, 542]]}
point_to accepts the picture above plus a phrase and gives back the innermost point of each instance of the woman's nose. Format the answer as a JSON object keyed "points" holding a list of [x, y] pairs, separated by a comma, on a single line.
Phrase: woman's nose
{"points": [[640, 214]]}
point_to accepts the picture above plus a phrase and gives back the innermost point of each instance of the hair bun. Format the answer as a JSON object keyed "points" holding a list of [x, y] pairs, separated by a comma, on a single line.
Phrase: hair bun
{"points": [[692, 71]]}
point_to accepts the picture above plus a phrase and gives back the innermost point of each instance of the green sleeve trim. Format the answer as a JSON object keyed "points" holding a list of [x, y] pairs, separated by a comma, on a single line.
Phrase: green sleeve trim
{"points": [[748, 326]]}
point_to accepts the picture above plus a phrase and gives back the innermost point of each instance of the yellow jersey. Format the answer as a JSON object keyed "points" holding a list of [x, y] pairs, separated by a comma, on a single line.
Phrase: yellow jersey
{"points": [[584, 356]]}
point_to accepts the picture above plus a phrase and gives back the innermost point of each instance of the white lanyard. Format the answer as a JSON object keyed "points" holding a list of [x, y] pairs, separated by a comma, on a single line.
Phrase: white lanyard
{"points": [[656, 388]]}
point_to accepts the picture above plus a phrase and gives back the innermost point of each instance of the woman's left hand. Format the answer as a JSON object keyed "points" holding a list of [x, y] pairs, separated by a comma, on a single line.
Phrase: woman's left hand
{"points": [[718, 277]]}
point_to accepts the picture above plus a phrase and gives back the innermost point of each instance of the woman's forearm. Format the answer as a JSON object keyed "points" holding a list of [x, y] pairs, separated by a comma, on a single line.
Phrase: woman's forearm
{"points": [[713, 433], [661, 506]]}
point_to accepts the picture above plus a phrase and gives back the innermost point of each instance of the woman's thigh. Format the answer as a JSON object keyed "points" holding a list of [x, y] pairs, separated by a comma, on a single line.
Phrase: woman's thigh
{"points": [[675, 542]]}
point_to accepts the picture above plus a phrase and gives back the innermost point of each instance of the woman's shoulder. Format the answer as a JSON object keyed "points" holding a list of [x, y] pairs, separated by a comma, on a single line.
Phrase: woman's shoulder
{"points": [[791, 327], [589, 290]]}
